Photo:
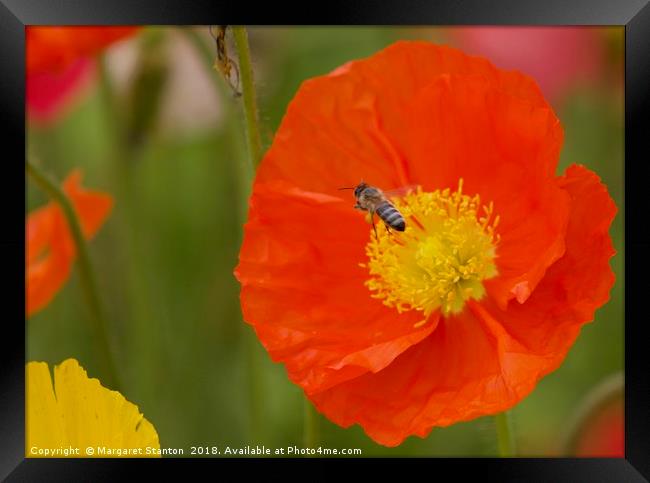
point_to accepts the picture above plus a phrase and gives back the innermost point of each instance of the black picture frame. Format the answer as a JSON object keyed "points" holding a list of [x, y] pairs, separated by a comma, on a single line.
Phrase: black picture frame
{"points": [[634, 15]]}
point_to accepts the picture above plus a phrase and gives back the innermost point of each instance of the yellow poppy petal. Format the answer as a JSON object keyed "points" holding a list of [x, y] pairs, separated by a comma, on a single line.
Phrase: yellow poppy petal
{"points": [[80, 413], [44, 423]]}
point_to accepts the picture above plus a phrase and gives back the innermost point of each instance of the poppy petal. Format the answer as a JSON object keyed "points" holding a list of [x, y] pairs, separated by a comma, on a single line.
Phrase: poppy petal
{"points": [[46, 275], [398, 73], [579, 282], [359, 129], [453, 375], [76, 411], [319, 147]]}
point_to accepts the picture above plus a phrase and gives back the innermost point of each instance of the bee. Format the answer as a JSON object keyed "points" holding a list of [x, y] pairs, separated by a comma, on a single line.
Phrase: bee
{"points": [[373, 200]]}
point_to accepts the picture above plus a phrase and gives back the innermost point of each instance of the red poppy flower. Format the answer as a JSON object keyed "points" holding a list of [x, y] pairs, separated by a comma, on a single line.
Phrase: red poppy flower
{"points": [[485, 291], [51, 49], [50, 245]]}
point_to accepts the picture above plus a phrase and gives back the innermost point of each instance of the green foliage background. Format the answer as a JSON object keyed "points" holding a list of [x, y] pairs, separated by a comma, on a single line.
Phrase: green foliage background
{"points": [[165, 257]]}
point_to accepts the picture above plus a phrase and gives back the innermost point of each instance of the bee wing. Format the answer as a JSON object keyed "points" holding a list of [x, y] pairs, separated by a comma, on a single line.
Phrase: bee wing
{"points": [[401, 191]]}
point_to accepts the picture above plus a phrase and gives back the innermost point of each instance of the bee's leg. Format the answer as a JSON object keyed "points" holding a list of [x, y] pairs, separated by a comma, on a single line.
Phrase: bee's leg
{"points": [[388, 229], [374, 227]]}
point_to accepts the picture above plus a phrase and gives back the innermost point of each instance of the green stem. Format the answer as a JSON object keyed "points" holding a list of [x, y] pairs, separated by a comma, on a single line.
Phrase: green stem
{"points": [[256, 391], [253, 137], [254, 144], [505, 437], [311, 433], [85, 270]]}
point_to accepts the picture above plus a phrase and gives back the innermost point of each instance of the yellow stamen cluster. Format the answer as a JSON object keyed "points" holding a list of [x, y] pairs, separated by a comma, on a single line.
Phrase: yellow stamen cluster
{"points": [[441, 259]]}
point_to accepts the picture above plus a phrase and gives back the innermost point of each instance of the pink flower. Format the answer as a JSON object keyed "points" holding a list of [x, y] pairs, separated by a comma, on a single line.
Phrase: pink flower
{"points": [[556, 57]]}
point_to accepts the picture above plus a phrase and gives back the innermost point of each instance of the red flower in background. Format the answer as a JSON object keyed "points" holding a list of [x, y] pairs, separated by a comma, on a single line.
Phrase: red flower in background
{"points": [[50, 93], [604, 434], [50, 245], [556, 57], [500, 265], [51, 49], [60, 64], [597, 430]]}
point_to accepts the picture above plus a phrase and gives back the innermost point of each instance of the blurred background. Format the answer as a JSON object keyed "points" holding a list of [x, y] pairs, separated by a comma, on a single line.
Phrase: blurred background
{"points": [[151, 122]]}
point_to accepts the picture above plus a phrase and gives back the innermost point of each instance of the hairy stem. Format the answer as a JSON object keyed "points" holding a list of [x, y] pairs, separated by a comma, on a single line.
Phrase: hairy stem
{"points": [[253, 137]]}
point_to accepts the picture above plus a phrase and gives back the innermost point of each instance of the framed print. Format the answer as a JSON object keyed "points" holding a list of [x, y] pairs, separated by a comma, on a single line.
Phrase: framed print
{"points": [[401, 233]]}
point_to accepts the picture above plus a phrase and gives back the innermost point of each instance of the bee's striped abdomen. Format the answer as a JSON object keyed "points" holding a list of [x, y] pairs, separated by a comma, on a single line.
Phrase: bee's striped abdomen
{"points": [[391, 216]]}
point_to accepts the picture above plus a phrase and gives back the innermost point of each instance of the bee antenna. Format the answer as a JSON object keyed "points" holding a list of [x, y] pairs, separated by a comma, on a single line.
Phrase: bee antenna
{"points": [[347, 188]]}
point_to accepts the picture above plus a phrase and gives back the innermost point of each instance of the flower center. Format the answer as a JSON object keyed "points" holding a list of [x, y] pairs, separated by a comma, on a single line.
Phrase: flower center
{"points": [[440, 260]]}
